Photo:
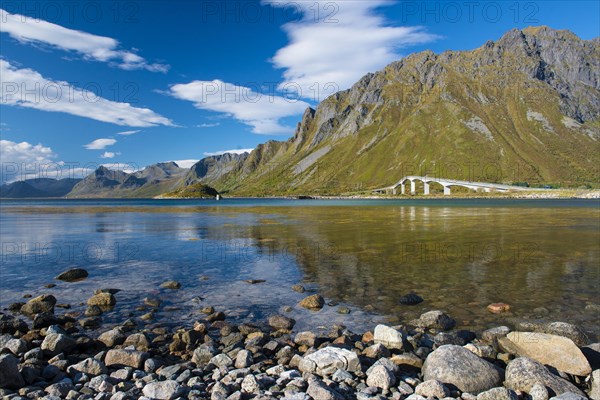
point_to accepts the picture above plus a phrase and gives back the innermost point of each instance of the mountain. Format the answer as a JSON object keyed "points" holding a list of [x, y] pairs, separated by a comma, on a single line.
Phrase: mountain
{"points": [[522, 108], [149, 182], [212, 169], [39, 187]]}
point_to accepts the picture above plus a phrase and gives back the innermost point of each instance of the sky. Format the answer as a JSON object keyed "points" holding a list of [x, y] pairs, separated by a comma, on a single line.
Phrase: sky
{"points": [[131, 83]]}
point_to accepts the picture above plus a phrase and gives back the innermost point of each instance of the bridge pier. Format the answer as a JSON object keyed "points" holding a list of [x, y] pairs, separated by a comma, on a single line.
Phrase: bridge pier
{"points": [[413, 188], [394, 191], [426, 185], [402, 188], [447, 191]]}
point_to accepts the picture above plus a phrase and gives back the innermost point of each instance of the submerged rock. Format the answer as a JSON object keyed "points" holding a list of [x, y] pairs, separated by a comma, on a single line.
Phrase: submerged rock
{"points": [[72, 275], [41, 304], [314, 302], [411, 299], [171, 285]]}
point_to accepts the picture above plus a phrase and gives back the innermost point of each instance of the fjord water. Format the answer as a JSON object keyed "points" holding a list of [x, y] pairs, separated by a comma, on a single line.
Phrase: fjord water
{"points": [[540, 256]]}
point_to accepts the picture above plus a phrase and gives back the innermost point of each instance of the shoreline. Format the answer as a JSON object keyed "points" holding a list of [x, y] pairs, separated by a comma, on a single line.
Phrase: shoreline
{"points": [[62, 355]]}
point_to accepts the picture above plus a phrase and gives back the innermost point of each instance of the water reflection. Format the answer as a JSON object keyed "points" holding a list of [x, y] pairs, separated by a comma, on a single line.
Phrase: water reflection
{"points": [[458, 257]]}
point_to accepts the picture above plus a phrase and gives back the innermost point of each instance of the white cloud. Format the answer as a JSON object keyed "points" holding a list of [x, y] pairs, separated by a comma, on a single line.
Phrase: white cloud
{"points": [[92, 47], [125, 167], [261, 112], [28, 88], [24, 160], [100, 144], [185, 163], [236, 151], [109, 154], [127, 133], [213, 125], [333, 49]]}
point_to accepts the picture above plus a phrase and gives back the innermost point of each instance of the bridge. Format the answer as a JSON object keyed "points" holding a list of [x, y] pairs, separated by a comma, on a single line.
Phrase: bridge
{"points": [[448, 184]]}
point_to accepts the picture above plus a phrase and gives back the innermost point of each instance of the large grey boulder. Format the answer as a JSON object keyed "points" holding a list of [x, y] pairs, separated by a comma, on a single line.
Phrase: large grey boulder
{"points": [[557, 351], [436, 320], [41, 304], [327, 360], [457, 366], [125, 358], [523, 373], [55, 343]]}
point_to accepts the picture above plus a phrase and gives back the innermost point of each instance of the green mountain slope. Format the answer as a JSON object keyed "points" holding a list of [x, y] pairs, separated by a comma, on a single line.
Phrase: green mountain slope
{"points": [[523, 108]]}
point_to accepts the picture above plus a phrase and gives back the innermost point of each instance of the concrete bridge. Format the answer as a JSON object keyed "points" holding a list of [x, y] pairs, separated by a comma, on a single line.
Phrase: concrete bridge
{"points": [[447, 184]]}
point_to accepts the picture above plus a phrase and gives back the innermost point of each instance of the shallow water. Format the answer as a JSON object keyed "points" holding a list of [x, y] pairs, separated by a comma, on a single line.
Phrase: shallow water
{"points": [[460, 255]]}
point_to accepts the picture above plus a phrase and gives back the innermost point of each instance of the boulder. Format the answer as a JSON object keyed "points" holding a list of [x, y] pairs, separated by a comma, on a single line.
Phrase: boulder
{"points": [[457, 366], [102, 300], [432, 388], [72, 275], [410, 299], [556, 351], [171, 285], [389, 337], [595, 385], [90, 366], [112, 338], [319, 390], [125, 358], [41, 304], [523, 373], [327, 360], [436, 320], [381, 377], [567, 330], [280, 322], [163, 390], [499, 393], [314, 302], [55, 343], [10, 377]]}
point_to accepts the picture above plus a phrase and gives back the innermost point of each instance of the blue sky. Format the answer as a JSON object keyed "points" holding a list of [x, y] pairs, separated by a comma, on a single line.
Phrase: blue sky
{"points": [[138, 82]]}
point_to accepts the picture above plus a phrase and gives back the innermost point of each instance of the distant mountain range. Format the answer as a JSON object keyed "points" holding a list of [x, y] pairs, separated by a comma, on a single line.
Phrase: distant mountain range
{"points": [[523, 108], [39, 187]]}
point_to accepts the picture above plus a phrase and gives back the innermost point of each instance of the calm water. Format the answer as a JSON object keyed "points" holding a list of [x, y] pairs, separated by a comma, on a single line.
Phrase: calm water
{"points": [[460, 255]]}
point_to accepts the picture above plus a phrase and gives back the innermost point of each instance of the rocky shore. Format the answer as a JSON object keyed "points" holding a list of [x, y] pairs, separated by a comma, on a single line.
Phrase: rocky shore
{"points": [[45, 354]]}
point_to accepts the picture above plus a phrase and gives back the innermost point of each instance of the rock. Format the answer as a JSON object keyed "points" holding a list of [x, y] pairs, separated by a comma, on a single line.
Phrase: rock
{"points": [[389, 337], [328, 359], [171, 285], [102, 300], [318, 390], [407, 359], [376, 351], [55, 343], [298, 288], [498, 393], [255, 281], [60, 389], [538, 392], [343, 310], [314, 302], [250, 384], [125, 358], [306, 339], [432, 388], [381, 377], [112, 338], [203, 354], [569, 396], [497, 308], [243, 359], [279, 322], [457, 366], [41, 304], [217, 316], [72, 275], [567, 330], [410, 299], [221, 360], [592, 353], [523, 373], [137, 340], [436, 320], [12, 325], [90, 366], [492, 335], [595, 385], [556, 351], [163, 390], [10, 377]]}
